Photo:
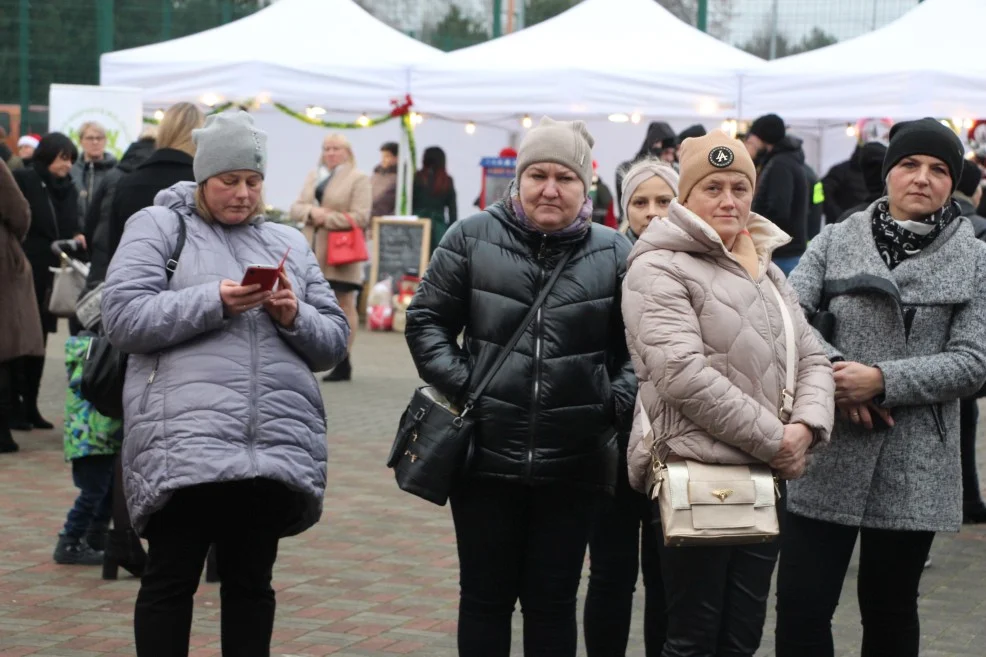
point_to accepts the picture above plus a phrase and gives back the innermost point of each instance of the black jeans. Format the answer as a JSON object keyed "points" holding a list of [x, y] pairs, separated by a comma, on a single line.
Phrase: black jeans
{"points": [[815, 556], [968, 425], [716, 597], [93, 476], [518, 541], [245, 520], [622, 537]]}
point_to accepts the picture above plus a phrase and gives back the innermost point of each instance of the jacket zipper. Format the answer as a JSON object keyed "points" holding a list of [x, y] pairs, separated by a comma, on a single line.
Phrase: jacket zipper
{"points": [[773, 346], [147, 388], [252, 438], [537, 367]]}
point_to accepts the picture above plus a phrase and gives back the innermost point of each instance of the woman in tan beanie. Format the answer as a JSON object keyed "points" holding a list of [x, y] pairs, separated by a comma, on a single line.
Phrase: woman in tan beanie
{"points": [[545, 452], [707, 338]]}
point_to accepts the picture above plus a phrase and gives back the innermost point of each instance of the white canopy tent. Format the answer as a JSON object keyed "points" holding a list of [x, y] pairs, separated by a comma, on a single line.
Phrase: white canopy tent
{"points": [[920, 65], [329, 53], [601, 57]]}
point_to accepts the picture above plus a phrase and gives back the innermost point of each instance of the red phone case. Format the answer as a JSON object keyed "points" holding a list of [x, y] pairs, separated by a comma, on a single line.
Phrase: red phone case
{"points": [[264, 275]]}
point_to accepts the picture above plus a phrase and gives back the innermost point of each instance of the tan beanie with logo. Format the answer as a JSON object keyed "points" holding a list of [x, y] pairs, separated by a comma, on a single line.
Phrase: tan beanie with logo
{"points": [[699, 157], [567, 143]]}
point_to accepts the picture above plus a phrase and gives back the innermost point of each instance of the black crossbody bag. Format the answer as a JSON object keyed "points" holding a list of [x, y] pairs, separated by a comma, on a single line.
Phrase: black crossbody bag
{"points": [[434, 438], [105, 366]]}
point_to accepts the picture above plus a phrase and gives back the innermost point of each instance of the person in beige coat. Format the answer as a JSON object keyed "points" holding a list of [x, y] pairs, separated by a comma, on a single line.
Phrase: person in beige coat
{"points": [[20, 323], [335, 197], [708, 346]]}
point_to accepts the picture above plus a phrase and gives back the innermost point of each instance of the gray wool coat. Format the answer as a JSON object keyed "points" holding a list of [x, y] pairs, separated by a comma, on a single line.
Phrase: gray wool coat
{"points": [[924, 325], [210, 398]]}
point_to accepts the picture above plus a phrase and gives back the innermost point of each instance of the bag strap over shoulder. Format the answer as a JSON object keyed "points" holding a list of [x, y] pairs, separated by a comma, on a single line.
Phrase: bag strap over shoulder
{"points": [[787, 395], [515, 338], [172, 263]]}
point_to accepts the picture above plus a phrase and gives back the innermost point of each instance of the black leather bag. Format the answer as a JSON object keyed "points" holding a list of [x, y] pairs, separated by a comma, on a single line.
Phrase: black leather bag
{"points": [[105, 366], [823, 320], [434, 438]]}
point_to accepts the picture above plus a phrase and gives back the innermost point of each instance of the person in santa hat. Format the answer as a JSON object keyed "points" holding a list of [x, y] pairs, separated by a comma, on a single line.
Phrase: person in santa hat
{"points": [[26, 146]]}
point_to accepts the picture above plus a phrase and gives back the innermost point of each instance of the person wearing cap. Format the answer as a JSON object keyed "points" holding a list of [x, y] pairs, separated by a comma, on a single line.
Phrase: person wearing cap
{"points": [[905, 281], [871, 156], [708, 345], [623, 542], [26, 146], [649, 186], [783, 194], [544, 442], [224, 422]]}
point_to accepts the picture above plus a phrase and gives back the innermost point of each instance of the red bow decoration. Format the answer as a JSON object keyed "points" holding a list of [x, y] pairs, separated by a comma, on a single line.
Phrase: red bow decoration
{"points": [[400, 109]]}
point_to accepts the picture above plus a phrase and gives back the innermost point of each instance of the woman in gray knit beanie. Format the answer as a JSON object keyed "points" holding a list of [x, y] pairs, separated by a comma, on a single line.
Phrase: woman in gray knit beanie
{"points": [[224, 423], [545, 451]]}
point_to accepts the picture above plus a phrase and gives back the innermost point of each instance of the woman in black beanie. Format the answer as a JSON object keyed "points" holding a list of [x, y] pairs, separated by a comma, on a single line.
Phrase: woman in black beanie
{"points": [[906, 282]]}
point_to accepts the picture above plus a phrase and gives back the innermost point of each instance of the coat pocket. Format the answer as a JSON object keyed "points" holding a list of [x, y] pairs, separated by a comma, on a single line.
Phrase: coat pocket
{"points": [[939, 419], [147, 387]]}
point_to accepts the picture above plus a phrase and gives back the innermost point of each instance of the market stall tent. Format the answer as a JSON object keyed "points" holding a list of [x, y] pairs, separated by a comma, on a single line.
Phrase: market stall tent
{"points": [[599, 58], [922, 64], [329, 53]]}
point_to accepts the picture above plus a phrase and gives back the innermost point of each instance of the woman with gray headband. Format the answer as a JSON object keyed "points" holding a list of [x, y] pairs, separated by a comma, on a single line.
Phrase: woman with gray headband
{"points": [[224, 421], [649, 186]]}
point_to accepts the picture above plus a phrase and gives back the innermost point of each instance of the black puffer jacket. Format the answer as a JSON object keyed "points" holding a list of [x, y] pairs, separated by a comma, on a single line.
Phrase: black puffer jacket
{"points": [[550, 413], [782, 194], [845, 186]]}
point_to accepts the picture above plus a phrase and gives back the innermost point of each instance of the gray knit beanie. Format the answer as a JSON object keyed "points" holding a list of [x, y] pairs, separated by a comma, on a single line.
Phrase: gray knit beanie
{"points": [[229, 141], [567, 143]]}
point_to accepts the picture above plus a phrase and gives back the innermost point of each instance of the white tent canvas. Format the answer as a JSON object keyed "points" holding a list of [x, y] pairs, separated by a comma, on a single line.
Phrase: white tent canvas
{"points": [[599, 58], [922, 64], [330, 53]]}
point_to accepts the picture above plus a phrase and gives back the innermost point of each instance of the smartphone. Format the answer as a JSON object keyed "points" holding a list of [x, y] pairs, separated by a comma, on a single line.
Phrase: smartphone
{"points": [[263, 275]]}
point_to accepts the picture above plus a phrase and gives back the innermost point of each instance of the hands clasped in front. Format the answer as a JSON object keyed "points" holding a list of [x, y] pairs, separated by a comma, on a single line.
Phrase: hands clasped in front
{"points": [[856, 385], [281, 304], [792, 458]]}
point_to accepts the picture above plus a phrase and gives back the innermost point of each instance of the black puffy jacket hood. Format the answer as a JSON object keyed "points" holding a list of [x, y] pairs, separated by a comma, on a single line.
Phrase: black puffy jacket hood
{"points": [[658, 131]]}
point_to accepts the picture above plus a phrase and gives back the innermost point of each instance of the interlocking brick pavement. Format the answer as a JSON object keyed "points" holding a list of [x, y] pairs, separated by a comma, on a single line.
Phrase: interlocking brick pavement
{"points": [[377, 577]]}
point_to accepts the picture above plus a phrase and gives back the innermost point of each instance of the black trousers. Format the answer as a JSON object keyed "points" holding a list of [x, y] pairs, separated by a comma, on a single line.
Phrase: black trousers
{"points": [[623, 537], [968, 425], [520, 542], [245, 520], [815, 556], [716, 598]]}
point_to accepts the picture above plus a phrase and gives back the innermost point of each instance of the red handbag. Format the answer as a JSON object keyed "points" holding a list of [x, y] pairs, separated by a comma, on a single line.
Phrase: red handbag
{"points": [[345, 247]]}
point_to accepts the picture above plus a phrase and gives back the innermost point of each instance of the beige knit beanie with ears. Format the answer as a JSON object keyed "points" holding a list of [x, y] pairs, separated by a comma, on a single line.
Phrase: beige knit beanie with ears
{"points": [[567, 143]]}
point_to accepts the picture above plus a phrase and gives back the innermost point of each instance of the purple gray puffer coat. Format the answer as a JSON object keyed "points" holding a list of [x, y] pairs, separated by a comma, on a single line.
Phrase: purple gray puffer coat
{"points": [[210, 398]]}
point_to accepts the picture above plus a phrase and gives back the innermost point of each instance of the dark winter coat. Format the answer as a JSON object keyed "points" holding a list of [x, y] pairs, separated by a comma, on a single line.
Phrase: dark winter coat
{"points": [[923, 324], [20, 325], [657, 132], [845, 187], [384, 185], [550, 413], [431, 204], [782, 194], [54, 216], [88, 176], [816, 202], [968, 211], [97, 222], [164, 168]]}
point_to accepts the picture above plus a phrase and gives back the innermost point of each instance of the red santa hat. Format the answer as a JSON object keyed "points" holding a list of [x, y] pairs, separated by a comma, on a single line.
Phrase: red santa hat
{"points": [[29, 140]]}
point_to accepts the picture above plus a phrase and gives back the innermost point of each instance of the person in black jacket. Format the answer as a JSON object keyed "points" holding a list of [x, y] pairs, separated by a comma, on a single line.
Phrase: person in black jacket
{"points": [[97, 221], [782, 185], [969, 195], [54, 216], [661, 142], [845, 187], [871, 157], [545, 447]]}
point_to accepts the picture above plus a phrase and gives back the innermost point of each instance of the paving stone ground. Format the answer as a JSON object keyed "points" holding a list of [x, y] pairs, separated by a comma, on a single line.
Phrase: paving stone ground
{"points": [[377, 576]]}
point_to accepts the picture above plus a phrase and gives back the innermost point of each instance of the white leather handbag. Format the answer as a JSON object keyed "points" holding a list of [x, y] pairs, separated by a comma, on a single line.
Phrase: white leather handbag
{"points": [[714, 504]]}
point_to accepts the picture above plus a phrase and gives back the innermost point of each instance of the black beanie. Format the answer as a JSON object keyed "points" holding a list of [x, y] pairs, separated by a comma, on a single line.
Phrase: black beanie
{"points": [[697, 130], [770, 128], [925, 136], [970, 178]]}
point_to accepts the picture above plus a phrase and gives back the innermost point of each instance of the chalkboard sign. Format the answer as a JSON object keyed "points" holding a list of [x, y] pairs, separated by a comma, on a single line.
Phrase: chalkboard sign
{"points": [[399, 246]]}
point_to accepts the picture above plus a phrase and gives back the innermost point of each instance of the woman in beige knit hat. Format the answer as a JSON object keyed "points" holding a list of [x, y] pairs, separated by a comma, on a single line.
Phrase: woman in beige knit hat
{"points": [[707, 339], [649, 186], [544, 443]]}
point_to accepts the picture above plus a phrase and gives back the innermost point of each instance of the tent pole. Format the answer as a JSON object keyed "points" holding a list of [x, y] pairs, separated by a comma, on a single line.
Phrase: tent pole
{"points": [[702, 19], [773, 30], [497, 18], [24, 46]]}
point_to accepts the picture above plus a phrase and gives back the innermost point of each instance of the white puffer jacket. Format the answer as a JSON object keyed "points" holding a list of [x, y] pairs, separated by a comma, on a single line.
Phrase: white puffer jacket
{"points": [[708, 346]]}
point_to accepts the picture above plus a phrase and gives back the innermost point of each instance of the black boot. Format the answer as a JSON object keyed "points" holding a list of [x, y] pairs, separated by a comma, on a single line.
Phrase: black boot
{"points": [[74, 551], [974, 513], [342, 372], [33, 369], [7, 444], [97, 537], [123, 550]]}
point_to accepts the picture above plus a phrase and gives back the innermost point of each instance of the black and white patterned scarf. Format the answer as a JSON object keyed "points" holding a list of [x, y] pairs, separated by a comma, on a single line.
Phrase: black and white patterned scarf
{"points": [[899, 240]]}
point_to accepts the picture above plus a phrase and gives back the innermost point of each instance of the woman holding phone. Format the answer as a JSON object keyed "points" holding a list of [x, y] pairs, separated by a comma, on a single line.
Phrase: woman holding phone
{"points": [[224, 421]]}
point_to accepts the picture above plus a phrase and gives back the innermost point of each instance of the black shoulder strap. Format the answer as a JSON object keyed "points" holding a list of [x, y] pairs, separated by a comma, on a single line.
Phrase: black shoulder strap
{"points": [[509, 347], [172, 263]]}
